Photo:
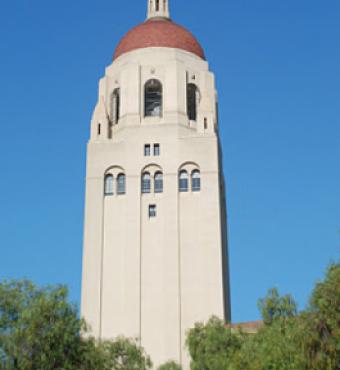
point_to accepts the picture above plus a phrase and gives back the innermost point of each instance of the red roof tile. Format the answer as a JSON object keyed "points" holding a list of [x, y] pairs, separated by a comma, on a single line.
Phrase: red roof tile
{"points": [[252, 325], [159, 33]]}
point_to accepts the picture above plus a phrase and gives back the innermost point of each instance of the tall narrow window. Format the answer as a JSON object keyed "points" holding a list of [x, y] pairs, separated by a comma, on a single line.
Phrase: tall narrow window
{"points": [[156, 150], [108, 186], [205, 123], [192, 99], [153, 96], [115, 106], [183, 181], [147, 150], [146, 183], [121, 184], [157, 5], [158, 182], [196, 180]]}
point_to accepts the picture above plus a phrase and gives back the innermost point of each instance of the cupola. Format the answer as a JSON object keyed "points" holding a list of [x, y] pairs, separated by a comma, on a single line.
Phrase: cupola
{"points": [[159, 31]]}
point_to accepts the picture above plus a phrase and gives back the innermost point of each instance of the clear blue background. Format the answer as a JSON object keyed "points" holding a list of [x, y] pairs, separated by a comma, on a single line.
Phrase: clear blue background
{"points": [[277, 65]]}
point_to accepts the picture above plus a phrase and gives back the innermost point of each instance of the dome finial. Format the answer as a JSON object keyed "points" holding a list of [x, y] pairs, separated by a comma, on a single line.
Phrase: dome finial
{"points": [[158, 9]]}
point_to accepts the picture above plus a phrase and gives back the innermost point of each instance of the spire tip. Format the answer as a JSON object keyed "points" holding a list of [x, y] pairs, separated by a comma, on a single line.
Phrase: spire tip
{"points": [[158, 9]]}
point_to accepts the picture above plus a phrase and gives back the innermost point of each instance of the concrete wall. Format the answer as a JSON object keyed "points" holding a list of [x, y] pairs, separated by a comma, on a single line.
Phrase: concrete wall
{"points": [[154, 278]]}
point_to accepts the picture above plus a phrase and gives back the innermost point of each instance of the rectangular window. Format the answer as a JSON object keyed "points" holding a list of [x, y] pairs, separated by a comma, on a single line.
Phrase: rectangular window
{"points": [[156, 150], [196, 184], [146, 184], [205, 123], [147, 150], [121, 184], [152, 211], [159, 182]]}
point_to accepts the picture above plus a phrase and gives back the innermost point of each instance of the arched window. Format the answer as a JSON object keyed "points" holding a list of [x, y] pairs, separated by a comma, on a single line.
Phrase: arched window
{"points": [[196, 180], [153, 96], [108, 185], [121, 184], [115, 106], [158, 182], [146, 183], [157, 5], [183, 181], [192, 100]]}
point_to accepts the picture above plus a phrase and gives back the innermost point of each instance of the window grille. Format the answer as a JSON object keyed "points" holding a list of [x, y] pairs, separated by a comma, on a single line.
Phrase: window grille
{"points": [[121, 184], [196, 181], [192, 99], [115, 106], [158, 182], [147, 150], [153, 98], [146, 183], [183, 181], [108, 187], [156, 150], [152, 211]]}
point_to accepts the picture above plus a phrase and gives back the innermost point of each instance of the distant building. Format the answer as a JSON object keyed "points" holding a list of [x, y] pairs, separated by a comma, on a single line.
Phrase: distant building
{"points": [[155, 250], [251, 327]]}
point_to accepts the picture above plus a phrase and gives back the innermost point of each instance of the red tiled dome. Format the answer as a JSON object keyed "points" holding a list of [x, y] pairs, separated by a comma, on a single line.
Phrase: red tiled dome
{"points": [[159, 33]]}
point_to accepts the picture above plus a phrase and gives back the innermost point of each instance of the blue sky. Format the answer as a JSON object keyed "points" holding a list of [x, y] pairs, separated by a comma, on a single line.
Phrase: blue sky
{"points": [[277, 65]]}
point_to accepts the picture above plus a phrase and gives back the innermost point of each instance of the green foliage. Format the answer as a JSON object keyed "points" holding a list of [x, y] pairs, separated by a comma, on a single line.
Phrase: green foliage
{"points": [[321, 323], [271, 348], [212, 346], [40, 330], [124, 354], [170, 366], [275, 307], [288, 340]]}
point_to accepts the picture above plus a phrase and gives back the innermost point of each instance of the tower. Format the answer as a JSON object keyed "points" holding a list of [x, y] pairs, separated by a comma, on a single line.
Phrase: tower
{"points": [[155, 244]]}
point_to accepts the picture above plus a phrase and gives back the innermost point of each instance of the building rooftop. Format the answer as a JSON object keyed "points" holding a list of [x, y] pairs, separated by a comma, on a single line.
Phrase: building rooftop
{"points": [[250, 327], [159, 32]]}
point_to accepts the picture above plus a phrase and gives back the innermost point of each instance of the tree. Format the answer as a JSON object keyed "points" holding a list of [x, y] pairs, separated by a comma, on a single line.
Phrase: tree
{"points": [[271, 348], [212, 346], [170, 366], [274, 346], [124, 354], [309, 340], [321, 323], [274, 306], [39, 329]]}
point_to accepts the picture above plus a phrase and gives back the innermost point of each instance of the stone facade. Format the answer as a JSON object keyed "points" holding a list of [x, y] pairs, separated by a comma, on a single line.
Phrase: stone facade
{"points": [[146, 275]]}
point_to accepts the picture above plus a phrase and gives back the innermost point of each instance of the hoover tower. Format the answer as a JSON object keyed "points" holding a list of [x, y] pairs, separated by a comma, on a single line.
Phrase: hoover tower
{"points": [[155, 246]]}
